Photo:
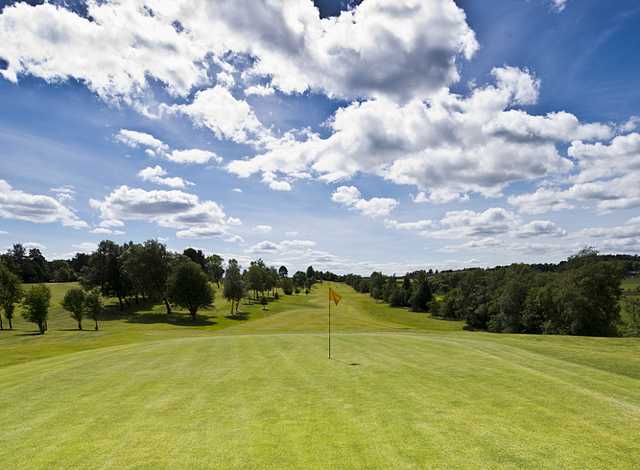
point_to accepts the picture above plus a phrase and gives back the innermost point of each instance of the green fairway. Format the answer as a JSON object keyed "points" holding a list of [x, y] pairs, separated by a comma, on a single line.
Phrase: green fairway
{"points": [[404, 391]]}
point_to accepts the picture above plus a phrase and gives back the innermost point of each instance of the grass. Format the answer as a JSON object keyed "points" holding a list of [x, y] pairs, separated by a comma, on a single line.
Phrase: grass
{"points": [[404, 391]]}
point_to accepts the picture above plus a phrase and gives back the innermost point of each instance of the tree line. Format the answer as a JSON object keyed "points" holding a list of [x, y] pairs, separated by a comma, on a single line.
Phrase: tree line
{"points": [[578, 296], [140, 272]]}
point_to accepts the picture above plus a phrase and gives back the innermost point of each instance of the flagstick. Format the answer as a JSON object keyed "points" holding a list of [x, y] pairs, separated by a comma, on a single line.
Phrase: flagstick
{"points": [[329, 322]]}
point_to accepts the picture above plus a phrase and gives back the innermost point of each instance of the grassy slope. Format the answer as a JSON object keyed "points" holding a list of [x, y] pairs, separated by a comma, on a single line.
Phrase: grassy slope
{"points": [[404, 391]]}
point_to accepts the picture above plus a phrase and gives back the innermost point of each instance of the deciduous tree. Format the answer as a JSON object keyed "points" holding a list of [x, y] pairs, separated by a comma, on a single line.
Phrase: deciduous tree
{"points": [[36, 306]]}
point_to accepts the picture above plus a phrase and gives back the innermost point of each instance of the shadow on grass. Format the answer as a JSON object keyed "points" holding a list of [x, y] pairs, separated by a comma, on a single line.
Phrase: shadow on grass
{"points": [[172, 319], [239, 316]]}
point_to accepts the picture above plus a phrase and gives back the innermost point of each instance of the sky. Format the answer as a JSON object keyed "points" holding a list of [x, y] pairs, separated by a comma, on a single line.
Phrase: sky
{"points": [[353, 136]]}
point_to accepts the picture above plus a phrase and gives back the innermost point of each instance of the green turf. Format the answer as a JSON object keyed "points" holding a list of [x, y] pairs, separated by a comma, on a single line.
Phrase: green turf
{"points": [[404, 391]]}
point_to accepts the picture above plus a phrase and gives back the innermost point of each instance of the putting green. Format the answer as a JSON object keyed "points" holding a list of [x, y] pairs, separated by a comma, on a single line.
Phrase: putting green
{"points": [[404, 391]]}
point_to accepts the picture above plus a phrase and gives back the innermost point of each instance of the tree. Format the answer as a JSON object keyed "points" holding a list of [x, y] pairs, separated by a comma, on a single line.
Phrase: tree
{"points": [[148, 265], [287, 286], [632, 308], [590, 299], [93, 305], [233, 287], [74, 303], [36, 306], [311, 275], [197, 256], [10, 294], [214, 266], [283, 272], [189, 287], [299, 279], [396, 298], [256, 277], [421, 296], [106, 272]]}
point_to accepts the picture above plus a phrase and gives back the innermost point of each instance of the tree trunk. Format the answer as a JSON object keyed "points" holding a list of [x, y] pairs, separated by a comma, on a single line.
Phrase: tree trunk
{"points": [[231, 307], [167, 305], [193, 312], [80, 324], [41, 327], [10, 323], [96, 320], [46, 325], [1, 326], [120, 303]]}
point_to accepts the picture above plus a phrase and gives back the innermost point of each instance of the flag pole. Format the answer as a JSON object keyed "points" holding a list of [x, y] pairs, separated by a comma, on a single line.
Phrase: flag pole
{"points": [[329, 322]]}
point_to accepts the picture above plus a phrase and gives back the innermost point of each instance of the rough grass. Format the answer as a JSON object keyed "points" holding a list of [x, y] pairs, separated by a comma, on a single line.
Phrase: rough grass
{"points": [[404, 391]]}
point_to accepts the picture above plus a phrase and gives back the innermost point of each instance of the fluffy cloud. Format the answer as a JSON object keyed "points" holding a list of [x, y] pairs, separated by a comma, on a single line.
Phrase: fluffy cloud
{"points": [[175, 209], [133, 43], [106, 231], [227, 117], [606, 195], [559, 5], [40, 209], [156, 148], [136, 139], [64, 193], [538, 228], [417, 226], [448, 147], [484, 229], [158, 175], [375, 207], [607, 176], [196, 156], [412, 45], [266, 246], [467, 223]]}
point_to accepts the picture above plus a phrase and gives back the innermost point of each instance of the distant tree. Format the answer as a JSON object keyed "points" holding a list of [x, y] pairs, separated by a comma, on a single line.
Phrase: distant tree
{"points": [[421, 296], [215, 269], [311, 275], [233, 286], [287, 286], [590, 299], [36, 306], [283, 272], [376, 287], [61, 271], [389, 288], [299, 280], [37, 265], [511, 303], [10, 294], [189, 287], [271, 279], [197, 256], [148, 265], [74, 303], [93, 305], [256, 277], [106, 272], [79, 261], [632, 308], [396, 298]]}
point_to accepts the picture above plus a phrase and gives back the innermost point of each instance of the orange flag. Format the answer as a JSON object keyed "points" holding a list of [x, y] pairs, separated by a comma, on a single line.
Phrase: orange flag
{"points": [[333, 295]]}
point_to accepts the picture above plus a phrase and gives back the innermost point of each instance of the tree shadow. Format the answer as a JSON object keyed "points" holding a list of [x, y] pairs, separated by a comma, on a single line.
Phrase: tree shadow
{"points": [[34, 333], [172, 319], [240, 316]]}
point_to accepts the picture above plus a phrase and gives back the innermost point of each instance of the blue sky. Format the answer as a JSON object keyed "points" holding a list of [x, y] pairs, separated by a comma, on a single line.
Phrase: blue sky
{"points": [[395, 136]]}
